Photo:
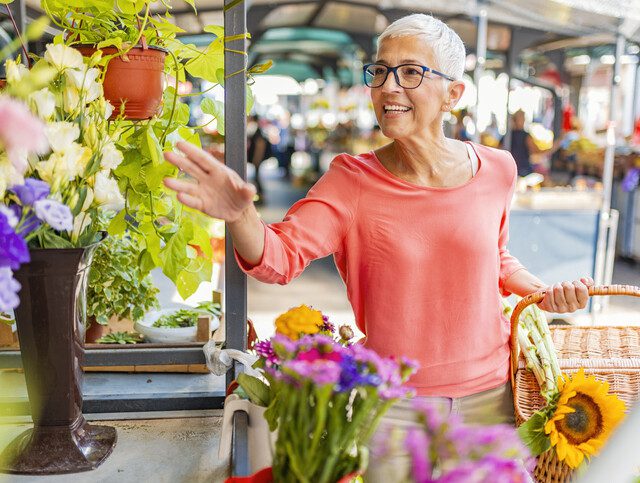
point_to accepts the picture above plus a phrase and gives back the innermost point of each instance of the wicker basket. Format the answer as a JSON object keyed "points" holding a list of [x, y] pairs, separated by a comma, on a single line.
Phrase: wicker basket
{"points": [[612, 354]]}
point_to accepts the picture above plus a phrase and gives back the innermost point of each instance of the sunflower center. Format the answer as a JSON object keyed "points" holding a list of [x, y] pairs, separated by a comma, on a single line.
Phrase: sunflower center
{"points": [[583, 424]]}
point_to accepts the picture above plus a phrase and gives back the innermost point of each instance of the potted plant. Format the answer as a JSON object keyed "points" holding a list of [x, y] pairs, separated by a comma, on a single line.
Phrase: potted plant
{"points": [[62, 208], [121, 338], [117, 286], [178, 325]]}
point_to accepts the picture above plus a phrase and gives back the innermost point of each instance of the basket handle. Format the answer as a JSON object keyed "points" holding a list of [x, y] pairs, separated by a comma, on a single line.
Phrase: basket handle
{"points": [[536, 297]]}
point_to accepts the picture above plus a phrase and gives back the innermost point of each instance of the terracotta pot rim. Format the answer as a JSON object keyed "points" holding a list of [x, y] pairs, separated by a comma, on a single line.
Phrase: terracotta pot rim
{"points": [[135, 47]]}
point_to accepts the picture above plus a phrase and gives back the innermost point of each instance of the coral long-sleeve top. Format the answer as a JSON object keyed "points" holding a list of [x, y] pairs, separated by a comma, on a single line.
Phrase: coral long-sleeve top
{"points": [[424, 267]]}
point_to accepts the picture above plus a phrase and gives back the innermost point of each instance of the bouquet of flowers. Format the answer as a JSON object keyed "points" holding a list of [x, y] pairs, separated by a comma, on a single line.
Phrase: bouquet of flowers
{"points": [[580, 413], [65, 93], [442, 449], [324, 396], [27, 207]]}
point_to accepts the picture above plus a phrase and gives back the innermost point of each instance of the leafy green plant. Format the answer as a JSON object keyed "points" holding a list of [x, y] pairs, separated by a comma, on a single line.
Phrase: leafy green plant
{"points": [[187, 317], [117, 284], [172, 237], [6, 319], [121, 338]]}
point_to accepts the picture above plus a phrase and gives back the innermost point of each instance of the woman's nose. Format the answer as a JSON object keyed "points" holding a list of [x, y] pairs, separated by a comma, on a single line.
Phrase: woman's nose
{"points": [[391, 83]]}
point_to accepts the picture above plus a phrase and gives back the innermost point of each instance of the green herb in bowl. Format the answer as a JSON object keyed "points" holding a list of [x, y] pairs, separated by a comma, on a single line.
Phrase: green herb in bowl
{"points": [[188, 317]]}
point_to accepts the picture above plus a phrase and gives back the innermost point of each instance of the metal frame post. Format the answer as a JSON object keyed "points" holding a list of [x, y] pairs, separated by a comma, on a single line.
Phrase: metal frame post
{"points": [[481, 57], [235, 143], [607, 173]]}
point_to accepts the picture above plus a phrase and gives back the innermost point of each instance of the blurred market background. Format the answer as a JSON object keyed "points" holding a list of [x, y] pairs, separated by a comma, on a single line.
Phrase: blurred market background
{"points": [[571, 67]]}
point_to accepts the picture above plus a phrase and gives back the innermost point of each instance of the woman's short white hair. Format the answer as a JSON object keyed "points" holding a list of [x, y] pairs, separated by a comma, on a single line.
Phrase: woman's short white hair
{"points": [[446, 44]]}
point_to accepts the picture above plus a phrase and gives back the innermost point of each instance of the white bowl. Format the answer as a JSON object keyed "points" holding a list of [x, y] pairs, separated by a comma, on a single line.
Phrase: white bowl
{"points": [[168, 335]]}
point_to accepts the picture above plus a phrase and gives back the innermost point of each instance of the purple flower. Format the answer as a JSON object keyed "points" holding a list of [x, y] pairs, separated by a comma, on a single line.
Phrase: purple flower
{"points": [[55, 214], [490, 469], [265, 350], [31, 191], [631, 180], [9, 289], [327, 326], [417, 444], [13, 249], [354, 374]]}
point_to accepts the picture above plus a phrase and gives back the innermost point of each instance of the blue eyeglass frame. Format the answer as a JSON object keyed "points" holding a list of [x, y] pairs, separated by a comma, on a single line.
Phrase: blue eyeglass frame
{"points": [[395, 74]]}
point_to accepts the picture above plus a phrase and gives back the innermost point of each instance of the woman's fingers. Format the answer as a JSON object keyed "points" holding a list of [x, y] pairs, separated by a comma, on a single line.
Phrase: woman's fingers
{"points": [[181, 186], [204, 160], [185, 164], [567, 296], [191, 201]]}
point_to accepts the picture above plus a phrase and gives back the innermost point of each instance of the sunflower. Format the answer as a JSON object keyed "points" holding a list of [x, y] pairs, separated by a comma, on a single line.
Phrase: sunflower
{"points": [[585, 416]]}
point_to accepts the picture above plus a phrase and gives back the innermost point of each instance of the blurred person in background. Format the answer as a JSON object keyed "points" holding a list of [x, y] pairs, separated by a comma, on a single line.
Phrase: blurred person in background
{"points": [[523, 145], [258, 149]]}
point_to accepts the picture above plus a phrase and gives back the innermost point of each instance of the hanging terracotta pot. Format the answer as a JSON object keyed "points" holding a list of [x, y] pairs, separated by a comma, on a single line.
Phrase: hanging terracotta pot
{"points": [[50, 321], [136, 78]]}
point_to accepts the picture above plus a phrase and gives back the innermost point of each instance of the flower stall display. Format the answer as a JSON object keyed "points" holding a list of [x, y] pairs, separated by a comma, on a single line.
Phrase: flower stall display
{"points": [[580, 412], [443, 449], [324, 396]]}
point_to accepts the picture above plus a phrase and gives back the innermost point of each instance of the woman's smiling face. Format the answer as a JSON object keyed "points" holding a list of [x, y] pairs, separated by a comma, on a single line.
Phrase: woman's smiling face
{"points": [[404, 113]]}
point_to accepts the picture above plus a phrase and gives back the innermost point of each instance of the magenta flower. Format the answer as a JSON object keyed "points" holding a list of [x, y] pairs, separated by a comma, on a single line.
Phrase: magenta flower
{"points": [[314, 354], [55, 214], [320, 372], [265, 350], [20, 132], [417, 444]]}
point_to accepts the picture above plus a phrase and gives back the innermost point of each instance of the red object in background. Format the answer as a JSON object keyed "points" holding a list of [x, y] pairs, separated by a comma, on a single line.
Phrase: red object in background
{"points": [[567, 115], [635, 138], [265, 476]]}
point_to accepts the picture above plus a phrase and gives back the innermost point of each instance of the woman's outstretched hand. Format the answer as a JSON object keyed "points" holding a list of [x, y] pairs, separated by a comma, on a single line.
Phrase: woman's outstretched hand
{"points": [[567, 296], [214, 189]]}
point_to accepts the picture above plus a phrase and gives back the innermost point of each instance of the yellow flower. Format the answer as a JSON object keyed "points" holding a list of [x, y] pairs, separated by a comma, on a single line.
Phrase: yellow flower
{"points": [[584, 418], [299, 321]]}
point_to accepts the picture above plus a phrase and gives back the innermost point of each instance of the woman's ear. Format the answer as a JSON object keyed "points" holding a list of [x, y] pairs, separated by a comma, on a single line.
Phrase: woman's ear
{"points": [[454, 93]]}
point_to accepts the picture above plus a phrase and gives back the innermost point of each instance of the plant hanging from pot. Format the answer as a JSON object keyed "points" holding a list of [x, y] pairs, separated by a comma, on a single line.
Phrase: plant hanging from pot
{"points": [[62, 200], [117, 286]]}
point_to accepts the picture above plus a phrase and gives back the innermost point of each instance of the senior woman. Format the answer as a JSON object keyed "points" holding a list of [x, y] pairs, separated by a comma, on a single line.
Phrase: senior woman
{"points": [[418, 228]]}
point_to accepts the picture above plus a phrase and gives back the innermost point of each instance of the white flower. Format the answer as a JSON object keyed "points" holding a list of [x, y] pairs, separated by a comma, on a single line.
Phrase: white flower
{"points": [[87, 201], [61, 134], [111, 157], [71, 99], [45, 102], [12, 219], [65, 165], [85, 82], [62, 57], [15, 72], [106, 192], [80, 222], [108, 110]]}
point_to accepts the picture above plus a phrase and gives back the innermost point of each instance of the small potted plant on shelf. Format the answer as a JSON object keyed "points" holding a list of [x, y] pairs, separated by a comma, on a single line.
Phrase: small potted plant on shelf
{"points": [[121, 338], [117, 286], [178, 325]]}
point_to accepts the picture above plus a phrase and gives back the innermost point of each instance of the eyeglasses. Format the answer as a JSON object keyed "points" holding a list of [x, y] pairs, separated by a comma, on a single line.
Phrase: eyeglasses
{"points": [[408, 76]]}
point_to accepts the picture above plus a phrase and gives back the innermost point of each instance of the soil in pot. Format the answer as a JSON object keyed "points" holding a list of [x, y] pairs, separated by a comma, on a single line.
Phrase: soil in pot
{"points": [[135, 79]]}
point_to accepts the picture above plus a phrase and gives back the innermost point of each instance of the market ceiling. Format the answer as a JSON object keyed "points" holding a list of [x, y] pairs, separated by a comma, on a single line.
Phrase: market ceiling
{"points": [[290, 32]]}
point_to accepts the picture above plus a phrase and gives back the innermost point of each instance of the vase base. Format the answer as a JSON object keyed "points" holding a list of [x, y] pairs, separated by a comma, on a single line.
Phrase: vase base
{"points": [[51, 450]]}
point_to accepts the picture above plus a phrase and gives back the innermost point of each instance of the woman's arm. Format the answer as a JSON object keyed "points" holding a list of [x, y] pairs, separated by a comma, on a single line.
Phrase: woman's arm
{"points": [[219, 192], [560, 298]]}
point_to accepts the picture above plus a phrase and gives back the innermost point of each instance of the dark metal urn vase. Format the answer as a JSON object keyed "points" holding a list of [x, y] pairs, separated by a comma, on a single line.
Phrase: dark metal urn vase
{"points": [[50, 323]]}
